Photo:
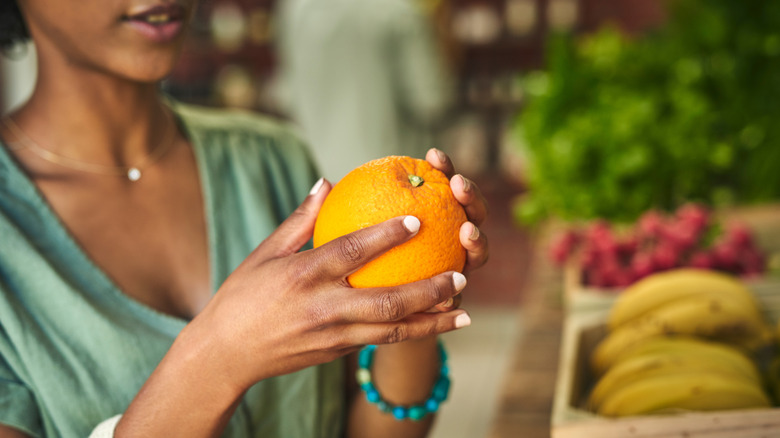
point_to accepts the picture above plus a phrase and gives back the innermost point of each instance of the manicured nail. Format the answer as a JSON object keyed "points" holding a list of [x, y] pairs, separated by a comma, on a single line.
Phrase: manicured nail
{"points": [[459, 280], [441, 155], [412, 224], [448, 303], [462, 320], [464, 183], [317, 186], [474, 233]]}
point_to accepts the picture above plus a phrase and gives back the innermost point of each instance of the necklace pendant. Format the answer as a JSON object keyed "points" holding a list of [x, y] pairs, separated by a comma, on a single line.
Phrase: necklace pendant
{"points": [[133, 174]]}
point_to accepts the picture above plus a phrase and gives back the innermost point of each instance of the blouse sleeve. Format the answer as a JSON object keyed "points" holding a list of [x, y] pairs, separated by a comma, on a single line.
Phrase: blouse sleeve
{"points": [[18, 408]]}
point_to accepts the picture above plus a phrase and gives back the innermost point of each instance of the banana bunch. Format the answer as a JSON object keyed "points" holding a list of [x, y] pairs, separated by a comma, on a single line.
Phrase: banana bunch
{"points": [[689, 302], [681, 339], [666, 373]]}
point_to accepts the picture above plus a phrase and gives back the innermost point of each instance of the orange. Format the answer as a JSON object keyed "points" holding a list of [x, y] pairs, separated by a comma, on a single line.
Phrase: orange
{"points": [[386, 188]]}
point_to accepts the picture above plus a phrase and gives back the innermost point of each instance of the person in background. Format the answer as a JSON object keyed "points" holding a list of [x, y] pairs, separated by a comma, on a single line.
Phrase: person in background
{"points": [[363, 79], [156, 276]]}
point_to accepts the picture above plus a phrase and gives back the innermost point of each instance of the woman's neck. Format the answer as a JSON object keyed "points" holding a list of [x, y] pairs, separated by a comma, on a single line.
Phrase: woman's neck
{"points": [[95, 118]]}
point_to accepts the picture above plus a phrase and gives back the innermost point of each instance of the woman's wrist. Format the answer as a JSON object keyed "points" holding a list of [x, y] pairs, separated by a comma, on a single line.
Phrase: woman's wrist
{"points": [[417, 410], [404, 373], [201, 351]]}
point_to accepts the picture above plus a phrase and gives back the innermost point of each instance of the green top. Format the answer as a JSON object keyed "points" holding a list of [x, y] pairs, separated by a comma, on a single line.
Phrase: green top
{"points": [[74, 350]]}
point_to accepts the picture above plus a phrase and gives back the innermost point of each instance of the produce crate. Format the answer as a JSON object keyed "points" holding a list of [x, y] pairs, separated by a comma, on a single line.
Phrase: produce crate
{"points": [[580, 298], [584, 327]]}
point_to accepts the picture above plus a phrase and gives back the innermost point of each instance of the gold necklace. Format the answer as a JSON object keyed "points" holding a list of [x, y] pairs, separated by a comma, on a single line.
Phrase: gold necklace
{"points": [[132, 173]]}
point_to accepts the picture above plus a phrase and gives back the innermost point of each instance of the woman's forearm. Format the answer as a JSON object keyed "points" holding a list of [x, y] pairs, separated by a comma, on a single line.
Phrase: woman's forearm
{"points": [[190, 393]]}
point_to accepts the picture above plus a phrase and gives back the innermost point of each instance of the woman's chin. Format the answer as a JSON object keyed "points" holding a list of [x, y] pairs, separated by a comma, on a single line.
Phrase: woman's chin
{"points": [[149, 70]]}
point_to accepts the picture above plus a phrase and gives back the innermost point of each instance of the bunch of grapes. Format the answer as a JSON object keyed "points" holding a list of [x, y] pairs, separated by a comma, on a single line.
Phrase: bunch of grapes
{"points": [[686, 238]]}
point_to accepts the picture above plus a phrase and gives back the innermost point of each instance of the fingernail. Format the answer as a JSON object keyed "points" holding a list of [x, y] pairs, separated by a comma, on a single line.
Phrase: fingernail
{"points": [[474, 233], [441, 155], [412, 224], [448, 303], [459, 280], [462, 320], [464, 183], [317, 186]]}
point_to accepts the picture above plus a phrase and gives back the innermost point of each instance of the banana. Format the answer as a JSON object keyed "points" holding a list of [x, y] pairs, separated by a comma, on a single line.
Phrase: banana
{"points": [[689, 345], [618, 341], [688, 390], [751, 343], [710, 315], [715, 315], [689, 355], [659, 289]]}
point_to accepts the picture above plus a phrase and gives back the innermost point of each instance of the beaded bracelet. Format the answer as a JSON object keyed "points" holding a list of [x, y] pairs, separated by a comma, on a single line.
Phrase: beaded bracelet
{"points": [[416, 412]]}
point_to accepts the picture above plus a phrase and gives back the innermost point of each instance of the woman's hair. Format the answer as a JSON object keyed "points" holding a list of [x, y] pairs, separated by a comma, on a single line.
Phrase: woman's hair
{"points": [[12, 27]]}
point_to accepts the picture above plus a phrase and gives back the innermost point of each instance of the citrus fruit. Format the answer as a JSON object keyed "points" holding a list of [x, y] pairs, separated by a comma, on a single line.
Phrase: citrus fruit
{"points": [[390, 187]]}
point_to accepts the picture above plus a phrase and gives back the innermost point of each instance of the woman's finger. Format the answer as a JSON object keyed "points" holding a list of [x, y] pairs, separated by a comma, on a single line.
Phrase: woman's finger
{"points": [[386, 304], [448, 305], [441, 161], [340, 257], [470, 196], [465, 191], [414, 326], [476, 244]]}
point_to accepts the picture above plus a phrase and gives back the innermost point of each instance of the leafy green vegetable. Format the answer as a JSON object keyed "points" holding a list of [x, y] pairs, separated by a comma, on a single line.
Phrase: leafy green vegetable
{"points": [[615, 126]]}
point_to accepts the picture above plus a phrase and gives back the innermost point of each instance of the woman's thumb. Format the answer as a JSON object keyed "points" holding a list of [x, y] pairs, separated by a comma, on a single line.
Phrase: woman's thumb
{"points": [[298, 228]]}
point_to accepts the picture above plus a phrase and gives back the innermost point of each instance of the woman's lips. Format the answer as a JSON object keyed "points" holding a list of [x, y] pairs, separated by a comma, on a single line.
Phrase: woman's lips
{"points": [[161, 23]]}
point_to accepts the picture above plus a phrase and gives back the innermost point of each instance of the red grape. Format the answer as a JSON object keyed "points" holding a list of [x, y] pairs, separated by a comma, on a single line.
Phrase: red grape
{"points": [[702, 259], [681, 235], [665, 256], [642, 264], [695, 215], [650, 223], [739, 235], [725, 255]]}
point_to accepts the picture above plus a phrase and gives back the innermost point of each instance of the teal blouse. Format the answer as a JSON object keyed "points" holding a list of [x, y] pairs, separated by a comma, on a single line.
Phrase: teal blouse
{"points": [[74, 350]]}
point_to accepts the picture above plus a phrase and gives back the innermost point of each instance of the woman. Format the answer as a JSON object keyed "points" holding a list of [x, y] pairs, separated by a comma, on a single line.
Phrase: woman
{"points": [[151, 282]]}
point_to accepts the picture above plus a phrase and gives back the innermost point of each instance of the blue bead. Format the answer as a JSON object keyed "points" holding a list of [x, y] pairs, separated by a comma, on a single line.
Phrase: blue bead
{"points": [[400, 413], [441, 389], [432, 405], [445, 370], [373, 396], [384, 406], [366, 357], [417, 413]]}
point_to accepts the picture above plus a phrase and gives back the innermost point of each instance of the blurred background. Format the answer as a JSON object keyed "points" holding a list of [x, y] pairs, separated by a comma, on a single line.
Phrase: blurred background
{"points": [[564, 111]]}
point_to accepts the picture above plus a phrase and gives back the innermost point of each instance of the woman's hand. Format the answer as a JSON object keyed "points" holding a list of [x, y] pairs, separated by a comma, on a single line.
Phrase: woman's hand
{"points": [[284, 310]]}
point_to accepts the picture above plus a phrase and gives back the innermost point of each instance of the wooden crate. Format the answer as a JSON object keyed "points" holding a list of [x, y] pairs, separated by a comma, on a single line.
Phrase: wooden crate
{"points": [[584, 327]]}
